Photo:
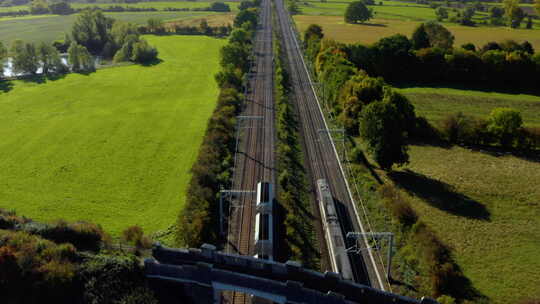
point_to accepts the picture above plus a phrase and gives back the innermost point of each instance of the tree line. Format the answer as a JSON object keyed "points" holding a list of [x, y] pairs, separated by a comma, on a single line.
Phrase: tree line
{"points": [[156, 26], [39, 7], [295, 230], [198, 221], [430, 57]]}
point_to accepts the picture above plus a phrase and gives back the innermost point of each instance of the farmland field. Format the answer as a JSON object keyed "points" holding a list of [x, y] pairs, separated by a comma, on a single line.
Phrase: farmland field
{"points": [[157, 5], [334, 27], [113, 147], [49, 27], [492, 204], [435, 103]]}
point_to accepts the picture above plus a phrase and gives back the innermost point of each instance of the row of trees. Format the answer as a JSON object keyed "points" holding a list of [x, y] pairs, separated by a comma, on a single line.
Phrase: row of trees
{"points": [[429, 56], [295, 231], [38, 7], [502, 128], [510, 14], [367, 106], [197, 222]]}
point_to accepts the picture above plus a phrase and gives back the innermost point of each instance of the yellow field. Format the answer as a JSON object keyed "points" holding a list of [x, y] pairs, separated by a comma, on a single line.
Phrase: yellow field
{"points": [[334, 27]]}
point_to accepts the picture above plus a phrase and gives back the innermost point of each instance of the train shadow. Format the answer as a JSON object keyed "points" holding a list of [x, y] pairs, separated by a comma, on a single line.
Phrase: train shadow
{"points": [[358, 264]]}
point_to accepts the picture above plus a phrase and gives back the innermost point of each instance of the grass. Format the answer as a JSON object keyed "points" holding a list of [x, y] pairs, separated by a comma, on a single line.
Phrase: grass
{"points": [[435, 103], [48, 28], [114, 147], [487, 208], [334, 27]]}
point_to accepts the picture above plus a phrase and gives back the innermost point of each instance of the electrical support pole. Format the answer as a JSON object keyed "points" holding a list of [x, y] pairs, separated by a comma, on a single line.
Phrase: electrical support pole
{"points": [[377, 236]]}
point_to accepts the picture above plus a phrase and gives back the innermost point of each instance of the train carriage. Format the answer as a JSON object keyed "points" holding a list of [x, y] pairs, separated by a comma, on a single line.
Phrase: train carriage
{"points": [[332, 232], [264, 221]]}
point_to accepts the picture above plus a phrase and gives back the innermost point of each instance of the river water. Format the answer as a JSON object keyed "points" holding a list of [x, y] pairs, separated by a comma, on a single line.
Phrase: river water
{"points": [[8, 65]]}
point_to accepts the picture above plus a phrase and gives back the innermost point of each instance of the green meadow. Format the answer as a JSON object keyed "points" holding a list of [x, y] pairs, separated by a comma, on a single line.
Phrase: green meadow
{"points": [[113, 147], [493, 226], [48, 28], [435, 103]]}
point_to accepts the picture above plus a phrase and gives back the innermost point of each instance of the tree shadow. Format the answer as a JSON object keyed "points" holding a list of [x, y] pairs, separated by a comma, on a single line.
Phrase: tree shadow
{"points": [[373, 24], [439, 195], [152, 63], [40, 79], [6, 86]]}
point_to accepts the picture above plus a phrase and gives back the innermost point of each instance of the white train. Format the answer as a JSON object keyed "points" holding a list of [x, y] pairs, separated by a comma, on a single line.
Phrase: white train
{"points": [[332, 232], [264, 221]]}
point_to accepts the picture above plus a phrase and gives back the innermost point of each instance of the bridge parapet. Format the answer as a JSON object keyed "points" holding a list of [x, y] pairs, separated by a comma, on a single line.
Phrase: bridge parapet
{"points": [[289, 274]]}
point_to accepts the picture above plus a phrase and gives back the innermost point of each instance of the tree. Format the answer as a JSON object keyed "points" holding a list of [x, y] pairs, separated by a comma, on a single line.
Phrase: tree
{"points": [[527, 47], [236, 55], [91, 30], [529, 22], [513, 13], [293, 8], [356, 12], [50, 59], [441, 13], [314, 31], [249, 15], [80, 59], [3, 53], [469, 47], [25, 57], [220, 7], [240, 36], [381, 128], [504, 124], [496, 15], [466, 16], [134, 235], [60, 8], [154, 25], [420, 38], [439, 36], [39, 7], [143, 53]]}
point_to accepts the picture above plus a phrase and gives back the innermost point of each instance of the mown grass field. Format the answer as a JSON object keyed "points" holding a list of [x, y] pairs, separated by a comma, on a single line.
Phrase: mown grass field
{"points": [[487, 208], [435, 103], [114, 147], [334, 27], [48, 28]]}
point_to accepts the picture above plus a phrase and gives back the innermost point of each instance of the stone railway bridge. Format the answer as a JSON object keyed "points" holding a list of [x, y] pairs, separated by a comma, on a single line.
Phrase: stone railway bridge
{"points": [[201, 275]]}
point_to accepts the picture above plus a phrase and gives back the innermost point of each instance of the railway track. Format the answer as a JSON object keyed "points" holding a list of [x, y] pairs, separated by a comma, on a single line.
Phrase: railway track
{"points": [[254, 159], [320, 154]]}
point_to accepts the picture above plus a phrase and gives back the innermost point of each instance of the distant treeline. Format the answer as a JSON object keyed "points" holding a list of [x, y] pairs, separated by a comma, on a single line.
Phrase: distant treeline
{"points": [[63, 8], [430, 57], [296, 231], [198, 221]]}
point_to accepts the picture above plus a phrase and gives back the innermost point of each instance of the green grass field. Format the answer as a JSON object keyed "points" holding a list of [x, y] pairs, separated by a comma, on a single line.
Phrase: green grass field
{"points": [[334, 27], [435, 103], [48, 28], [114, 147], [494, 219], [159, 5]]}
